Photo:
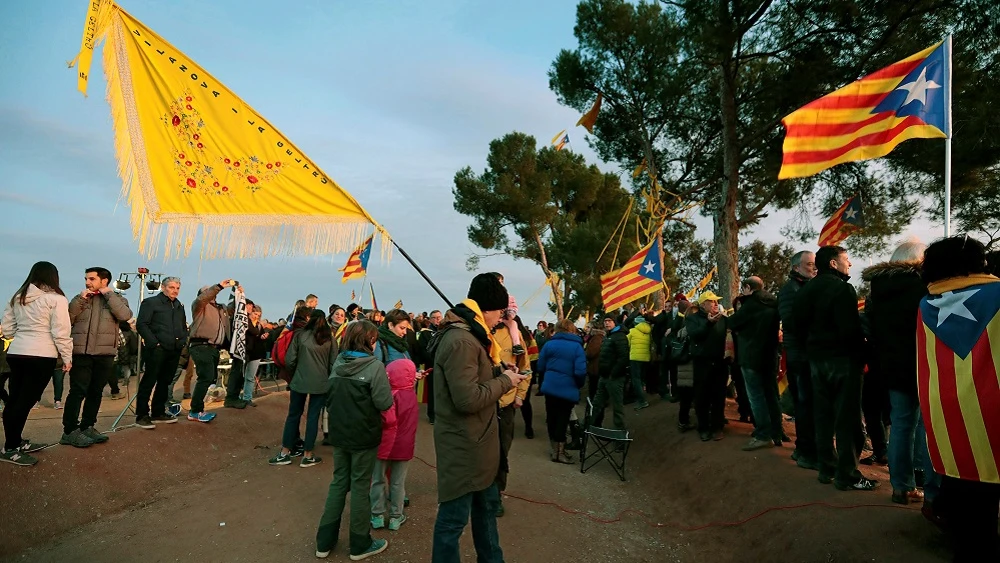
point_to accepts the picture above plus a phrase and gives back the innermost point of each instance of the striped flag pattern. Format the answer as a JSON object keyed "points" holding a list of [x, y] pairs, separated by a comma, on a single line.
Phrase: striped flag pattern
{"points": [[846, 220], [868, 118], [357, 262], [640, 276], [958, 359]]}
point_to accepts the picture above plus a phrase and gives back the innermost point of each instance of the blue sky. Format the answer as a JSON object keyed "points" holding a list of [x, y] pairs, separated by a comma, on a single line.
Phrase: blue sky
{"points": [[389, 98]]}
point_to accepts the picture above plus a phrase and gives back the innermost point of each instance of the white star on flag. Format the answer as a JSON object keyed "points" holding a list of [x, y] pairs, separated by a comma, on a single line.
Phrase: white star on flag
{"points": [[917, 90], [951, 303], [650, 267], [851, 213]]}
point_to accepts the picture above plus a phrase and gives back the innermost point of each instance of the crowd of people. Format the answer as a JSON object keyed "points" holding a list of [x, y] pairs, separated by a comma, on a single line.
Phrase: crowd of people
{"points": [[352, 374]]}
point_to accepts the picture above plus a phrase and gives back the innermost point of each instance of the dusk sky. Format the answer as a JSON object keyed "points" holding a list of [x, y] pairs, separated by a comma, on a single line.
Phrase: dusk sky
{"points": [[389, 98]]}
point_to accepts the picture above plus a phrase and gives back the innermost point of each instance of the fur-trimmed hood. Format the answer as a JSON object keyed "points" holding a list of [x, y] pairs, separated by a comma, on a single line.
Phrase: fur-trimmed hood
{"points": [[892, 269]]}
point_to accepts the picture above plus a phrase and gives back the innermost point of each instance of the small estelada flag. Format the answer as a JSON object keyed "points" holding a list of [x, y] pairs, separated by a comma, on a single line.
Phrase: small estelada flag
{"points": [[398, 305], [846, 220], [357, 263]]}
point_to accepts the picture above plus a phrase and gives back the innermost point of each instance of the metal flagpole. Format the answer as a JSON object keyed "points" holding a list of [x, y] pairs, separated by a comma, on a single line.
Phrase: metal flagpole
{"points": [[947, 140]]}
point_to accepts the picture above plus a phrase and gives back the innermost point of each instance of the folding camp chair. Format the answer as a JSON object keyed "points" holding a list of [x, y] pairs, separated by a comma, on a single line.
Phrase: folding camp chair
{"points": [[611, 445]]}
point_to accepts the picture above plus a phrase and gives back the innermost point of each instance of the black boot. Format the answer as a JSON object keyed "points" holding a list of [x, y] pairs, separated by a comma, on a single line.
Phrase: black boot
{"points": [[576, 431]]}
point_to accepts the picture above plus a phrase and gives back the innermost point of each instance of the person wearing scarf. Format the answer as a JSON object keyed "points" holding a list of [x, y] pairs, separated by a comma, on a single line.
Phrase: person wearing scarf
{"points": [[391, 344], [469, 381]]}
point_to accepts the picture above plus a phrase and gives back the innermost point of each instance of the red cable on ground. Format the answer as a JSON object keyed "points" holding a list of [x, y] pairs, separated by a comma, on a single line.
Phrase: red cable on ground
{"points": [[648, 521]]}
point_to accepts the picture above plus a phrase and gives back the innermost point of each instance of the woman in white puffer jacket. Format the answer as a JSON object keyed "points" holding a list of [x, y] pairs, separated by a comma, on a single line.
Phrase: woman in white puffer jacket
{"points": [[37, 318]]}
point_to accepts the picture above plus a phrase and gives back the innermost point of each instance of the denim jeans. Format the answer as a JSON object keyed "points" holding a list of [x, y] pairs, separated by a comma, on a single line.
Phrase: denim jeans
{"points": [[394, 485], [250, 379], [352, 473], [800, 385], [908, 446], [296, 405], [638, 372], [762, 391], [452, 518]]}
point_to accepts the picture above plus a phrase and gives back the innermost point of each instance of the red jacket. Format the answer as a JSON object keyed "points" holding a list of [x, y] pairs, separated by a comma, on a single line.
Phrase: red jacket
{"points": [[399, 423]]}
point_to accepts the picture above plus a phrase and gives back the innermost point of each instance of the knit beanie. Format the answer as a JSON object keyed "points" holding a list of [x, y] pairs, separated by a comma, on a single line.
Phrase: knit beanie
{"points": [[487, 291]]}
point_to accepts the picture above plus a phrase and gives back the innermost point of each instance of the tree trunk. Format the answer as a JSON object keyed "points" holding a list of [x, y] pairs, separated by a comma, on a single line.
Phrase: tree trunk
{"points": [[726, 227], [553, 280]]}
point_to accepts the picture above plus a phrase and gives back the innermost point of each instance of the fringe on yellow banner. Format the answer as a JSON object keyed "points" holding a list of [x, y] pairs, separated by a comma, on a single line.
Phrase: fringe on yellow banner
{"points": [[196, 159]]}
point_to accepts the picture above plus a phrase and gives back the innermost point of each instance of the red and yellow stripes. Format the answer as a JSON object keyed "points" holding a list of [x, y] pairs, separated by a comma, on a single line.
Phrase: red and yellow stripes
{"points": [[960, 402], [625, 285], [840, 126]]}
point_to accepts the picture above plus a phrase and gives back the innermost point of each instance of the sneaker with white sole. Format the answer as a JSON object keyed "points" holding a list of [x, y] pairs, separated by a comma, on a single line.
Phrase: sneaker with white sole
{"points": [[165, 418], [395, 523], [145, 422], [205, 417], [378, 522], [17, 457], [756, 444], [863, 484], [58, 405], [77, 439], [377, 546], [280, 459], [322, 554], [310, 461], [29, 447]]}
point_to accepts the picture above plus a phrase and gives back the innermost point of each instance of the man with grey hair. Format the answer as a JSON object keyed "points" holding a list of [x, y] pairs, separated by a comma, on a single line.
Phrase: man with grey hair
{"points": [[803, 269], [163, 327], [756, 325]]}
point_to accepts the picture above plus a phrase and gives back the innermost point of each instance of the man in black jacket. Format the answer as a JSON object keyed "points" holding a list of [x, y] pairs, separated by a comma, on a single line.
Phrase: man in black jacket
{"points": [[756, 324], [797, 361], [612, 367], [163, 327], [707, 330], [827, 320]]}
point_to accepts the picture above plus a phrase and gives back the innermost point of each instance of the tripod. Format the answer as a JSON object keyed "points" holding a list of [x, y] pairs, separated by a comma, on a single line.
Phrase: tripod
{"points": [[125, 282]]}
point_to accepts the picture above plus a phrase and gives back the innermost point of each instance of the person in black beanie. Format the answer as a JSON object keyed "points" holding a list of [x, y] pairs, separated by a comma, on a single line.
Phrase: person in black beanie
{"points": [[469, 380]]}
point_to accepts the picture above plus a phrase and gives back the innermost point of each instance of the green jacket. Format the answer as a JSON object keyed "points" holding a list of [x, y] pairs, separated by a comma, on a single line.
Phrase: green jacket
{"points": [[310, 363], [359, 394]]}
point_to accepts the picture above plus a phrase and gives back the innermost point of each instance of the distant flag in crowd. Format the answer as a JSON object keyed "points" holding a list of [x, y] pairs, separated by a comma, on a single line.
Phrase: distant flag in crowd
{"points": [[590, 118], [958, 335], [353, 296], [639, 169], [357, 262], [560, 140], [868, 118], [845, 221], [640, 276], [374, 303], [398, 305], [702, 284]]}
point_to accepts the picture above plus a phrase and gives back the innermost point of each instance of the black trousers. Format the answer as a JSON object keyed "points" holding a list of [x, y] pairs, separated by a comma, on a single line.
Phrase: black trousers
{"points": [[592, 380], [86, 387], [837, 398], [557, 417], [506, 418], [801, 388], [875, 406], [686, 397], [971, 510], [429, 379], [710, 393], [667, 378], [206, 364], [234, 384], [526, 413], [29, 376], [160, 367]]}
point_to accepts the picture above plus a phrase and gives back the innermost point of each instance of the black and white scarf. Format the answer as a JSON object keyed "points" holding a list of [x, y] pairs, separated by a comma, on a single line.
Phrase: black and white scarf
{"points": [[241, 322]]}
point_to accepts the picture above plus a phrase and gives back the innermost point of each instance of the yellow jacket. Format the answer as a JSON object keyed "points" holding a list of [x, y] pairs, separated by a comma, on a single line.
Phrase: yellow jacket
{"points": [[639, 339], [502, 338]]}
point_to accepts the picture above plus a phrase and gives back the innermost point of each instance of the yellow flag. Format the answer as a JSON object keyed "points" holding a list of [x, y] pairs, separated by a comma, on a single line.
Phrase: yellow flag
{"points": [[194, 156], [639, 169], [590, 118], [702, 284]]}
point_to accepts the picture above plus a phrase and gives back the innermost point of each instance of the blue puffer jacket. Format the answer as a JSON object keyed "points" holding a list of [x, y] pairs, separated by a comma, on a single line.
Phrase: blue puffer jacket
{"points": [[563, 365]]}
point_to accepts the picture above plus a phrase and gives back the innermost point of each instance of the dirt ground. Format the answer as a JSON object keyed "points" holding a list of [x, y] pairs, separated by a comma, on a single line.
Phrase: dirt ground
{"points": [[192, 491]]}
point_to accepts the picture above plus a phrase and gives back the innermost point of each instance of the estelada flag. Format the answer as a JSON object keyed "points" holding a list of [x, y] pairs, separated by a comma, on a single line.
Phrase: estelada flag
{"points": [[398, 305], [866, 119], [640, 276], [357, 263], [847, 219], [958, 359], [197, 160]]}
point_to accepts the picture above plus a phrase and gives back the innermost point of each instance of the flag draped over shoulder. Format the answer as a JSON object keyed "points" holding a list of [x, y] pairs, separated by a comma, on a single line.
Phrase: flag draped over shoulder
{"points": [[194, 156], [640, 276], [238, 349], [958, 359], [868, 118], [357, 263], [847, 219]]}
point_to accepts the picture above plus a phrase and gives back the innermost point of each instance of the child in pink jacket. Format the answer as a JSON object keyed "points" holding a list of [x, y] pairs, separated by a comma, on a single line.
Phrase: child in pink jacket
{"points": [[508, 319], [399, 435]]}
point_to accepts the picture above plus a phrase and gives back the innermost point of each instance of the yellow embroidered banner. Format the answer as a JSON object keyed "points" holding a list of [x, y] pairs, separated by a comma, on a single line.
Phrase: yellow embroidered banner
{"points": [[194, 156]]}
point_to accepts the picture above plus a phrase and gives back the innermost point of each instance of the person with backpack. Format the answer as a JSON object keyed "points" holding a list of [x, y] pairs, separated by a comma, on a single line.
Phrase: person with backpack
{"points": [[392, 344], [359, 394], [279, 355], [680, 355], [399, 435]]}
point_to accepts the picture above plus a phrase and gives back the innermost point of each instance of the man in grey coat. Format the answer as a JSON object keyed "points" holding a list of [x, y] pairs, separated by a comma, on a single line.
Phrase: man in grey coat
{"points": [[95, 315], [210, 332]]}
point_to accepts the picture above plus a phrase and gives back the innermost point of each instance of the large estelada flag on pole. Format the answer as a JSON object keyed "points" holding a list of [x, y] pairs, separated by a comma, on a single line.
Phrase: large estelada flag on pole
{"points": [[868, 118], [847, 219], [640, 276], [357, 262], [194, 156], [958, 336]]}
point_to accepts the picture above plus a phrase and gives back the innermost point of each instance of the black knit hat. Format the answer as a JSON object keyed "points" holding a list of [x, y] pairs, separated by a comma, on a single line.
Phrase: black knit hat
{"points": [[487, 291]]}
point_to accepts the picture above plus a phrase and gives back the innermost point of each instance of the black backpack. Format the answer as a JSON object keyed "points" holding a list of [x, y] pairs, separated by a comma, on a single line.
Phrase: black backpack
{"points": [[680, 348]]}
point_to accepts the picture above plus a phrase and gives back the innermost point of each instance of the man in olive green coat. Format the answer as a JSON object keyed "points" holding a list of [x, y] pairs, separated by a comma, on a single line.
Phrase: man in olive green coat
{"points": [[468, 381]]}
